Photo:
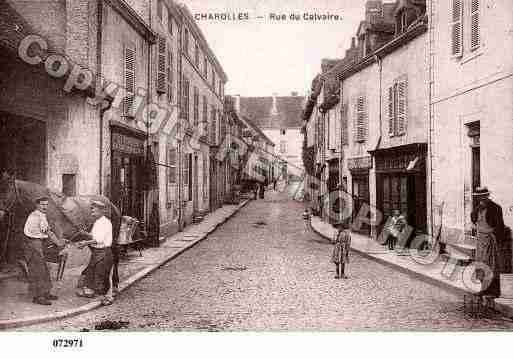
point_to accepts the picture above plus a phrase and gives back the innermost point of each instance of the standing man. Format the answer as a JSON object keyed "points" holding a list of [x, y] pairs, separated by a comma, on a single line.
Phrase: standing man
{"points": [[37, 233], [488, 220], [97, 273]]}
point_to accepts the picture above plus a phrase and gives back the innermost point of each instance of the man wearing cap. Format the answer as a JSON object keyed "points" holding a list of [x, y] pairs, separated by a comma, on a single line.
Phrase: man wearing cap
{"points": [[37, 232], [489, 222], [97, 273]]}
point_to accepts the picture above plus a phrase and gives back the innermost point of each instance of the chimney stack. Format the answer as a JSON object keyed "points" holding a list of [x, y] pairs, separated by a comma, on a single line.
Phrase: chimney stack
{"points": [[237, 103], [373, 10]]}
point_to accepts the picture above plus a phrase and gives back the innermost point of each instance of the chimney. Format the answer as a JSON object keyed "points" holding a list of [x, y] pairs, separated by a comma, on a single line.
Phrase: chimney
{"points": [[353, 42], [373, 10], [274, 108], [236, 104]]}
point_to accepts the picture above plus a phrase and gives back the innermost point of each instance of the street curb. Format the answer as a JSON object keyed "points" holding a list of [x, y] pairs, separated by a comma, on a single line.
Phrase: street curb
{"points": [[408, 271], [16, 323]]}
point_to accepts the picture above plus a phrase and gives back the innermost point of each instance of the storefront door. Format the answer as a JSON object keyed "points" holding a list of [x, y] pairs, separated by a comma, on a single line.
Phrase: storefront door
{"points": [[127, 174], [405, 192], [195, 192], [361, 197]]}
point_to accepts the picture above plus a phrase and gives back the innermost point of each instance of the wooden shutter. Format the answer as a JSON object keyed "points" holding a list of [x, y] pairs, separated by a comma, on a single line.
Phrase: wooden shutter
{"points": [[205, 116], [196, 106], [402, 106], [170, 91], [186, 169], [205, 178], [170, 23], [128, 102], [457, 28], [361, 119], [345, 125], [390, 111], [171, 162], [214, 124], [185, 98], [475, 36], [161, 65]]}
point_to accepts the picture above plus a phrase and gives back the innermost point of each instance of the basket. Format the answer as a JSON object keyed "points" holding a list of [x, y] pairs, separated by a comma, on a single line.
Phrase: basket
{"points": [[506, 280]]}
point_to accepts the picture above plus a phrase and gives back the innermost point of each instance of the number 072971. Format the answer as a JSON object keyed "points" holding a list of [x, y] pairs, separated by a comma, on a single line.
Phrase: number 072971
{"points": [[67, 343]]}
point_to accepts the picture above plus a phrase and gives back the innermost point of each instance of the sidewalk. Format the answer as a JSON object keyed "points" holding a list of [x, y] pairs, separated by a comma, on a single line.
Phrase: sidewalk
{"points": [[18, 310], [435, 270]]}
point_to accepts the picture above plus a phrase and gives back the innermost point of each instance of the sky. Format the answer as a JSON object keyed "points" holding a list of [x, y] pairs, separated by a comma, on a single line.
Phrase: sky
{"points": [[263, 56]]}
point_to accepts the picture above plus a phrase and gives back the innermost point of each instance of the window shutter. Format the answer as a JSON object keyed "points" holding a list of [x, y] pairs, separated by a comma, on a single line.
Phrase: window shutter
{"points": [[205, 116], [170, 77], [196, 106], [402, 106], [161, 65], [171, 162], [186, 169], [344, 124], [475, 36], [457, 28], [390, 112], [360, 125], [128, 102], [170, 24]]}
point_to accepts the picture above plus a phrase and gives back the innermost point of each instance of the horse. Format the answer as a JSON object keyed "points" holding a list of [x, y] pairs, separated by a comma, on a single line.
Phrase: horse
{"points": [[67, 216]]}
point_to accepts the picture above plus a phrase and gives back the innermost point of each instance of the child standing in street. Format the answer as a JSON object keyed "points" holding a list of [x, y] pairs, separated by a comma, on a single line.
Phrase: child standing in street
{"points": [[340, 256]]}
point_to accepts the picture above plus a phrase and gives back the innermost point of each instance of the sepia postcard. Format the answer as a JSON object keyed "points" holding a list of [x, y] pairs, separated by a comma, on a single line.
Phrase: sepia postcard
{"points": [[292, 166]]}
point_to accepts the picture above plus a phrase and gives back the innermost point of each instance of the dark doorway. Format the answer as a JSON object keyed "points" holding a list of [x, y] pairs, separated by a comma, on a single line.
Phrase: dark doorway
{"points": [[127, 164], [361, 197], [23, 147]]}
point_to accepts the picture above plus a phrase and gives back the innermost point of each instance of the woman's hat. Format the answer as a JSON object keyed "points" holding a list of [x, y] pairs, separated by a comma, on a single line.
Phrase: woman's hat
{"points": [[481, 191]]}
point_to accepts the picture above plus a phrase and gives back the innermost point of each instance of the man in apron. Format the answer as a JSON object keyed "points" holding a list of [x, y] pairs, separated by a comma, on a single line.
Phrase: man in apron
{"points": [[97, 273], [489, 222]]}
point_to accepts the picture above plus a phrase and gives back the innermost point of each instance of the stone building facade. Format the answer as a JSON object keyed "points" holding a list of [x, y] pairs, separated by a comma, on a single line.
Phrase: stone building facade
{"points": [[135, 85], [471, 108]]}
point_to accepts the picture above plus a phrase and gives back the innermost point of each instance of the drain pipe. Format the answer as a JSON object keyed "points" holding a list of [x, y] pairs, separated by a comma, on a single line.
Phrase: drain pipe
{"points": [[103, 108], [380, 68]]}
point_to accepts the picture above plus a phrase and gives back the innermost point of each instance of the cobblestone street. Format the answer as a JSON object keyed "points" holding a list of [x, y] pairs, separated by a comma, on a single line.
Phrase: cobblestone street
{"points": [[262, 271]]}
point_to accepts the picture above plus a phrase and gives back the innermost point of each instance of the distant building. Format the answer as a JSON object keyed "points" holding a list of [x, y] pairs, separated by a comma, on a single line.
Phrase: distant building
{"points": [[279, 118]]}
